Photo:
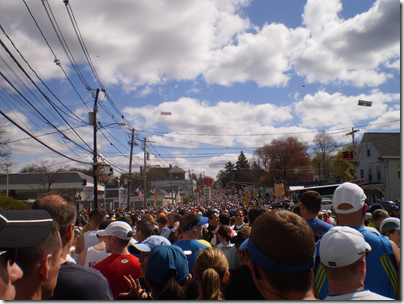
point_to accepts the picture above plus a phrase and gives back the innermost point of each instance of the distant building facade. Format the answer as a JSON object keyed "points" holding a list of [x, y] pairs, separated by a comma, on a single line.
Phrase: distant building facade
{"points": [[378, 164]]}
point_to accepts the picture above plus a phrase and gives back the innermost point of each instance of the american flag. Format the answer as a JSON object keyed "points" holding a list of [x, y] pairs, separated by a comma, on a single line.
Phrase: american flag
{"points": [[105, 177], [153, 191], [139, 191]]}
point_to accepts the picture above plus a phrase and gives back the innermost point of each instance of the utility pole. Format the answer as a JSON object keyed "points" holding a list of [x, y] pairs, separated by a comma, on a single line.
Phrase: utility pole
{"points": [[144, 175], [130, 166], [95, 160], [353, 147], [171, 178], [8, 165]]}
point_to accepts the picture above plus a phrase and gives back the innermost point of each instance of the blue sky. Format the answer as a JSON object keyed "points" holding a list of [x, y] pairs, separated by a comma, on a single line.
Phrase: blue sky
{"points": [[235, 74]]}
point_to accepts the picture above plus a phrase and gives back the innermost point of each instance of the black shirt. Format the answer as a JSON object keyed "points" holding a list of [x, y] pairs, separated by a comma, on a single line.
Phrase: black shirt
{"points": [[76, 282]]}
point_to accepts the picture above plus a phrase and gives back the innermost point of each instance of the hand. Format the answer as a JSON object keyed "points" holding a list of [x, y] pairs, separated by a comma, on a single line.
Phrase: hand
{"points": [[176, 225], [135, 290]]}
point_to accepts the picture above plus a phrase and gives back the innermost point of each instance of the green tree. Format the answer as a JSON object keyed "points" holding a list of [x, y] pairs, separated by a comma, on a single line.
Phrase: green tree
{"points": [[344, 168], [10, 203]]}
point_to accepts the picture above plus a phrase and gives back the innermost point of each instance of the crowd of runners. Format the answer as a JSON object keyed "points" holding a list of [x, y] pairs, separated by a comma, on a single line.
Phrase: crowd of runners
{"points": [[220, 249]]}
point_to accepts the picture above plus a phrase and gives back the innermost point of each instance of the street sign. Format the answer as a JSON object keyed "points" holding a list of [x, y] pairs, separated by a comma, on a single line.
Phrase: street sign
{"points": [[206, 193]]}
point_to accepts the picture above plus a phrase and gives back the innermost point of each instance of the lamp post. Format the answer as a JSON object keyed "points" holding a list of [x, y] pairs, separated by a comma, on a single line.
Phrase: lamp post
{"points": [[93, 122]]}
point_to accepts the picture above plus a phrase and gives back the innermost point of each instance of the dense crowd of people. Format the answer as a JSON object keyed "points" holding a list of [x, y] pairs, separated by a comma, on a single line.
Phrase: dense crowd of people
{"points": [[220, 249]]}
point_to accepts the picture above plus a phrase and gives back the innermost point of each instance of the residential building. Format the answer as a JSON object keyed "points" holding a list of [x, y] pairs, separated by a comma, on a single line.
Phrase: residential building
{"points": [[378, 163]]}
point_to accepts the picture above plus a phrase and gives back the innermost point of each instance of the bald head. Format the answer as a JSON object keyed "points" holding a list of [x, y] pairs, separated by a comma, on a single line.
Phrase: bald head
{"points": [[60, 207]]}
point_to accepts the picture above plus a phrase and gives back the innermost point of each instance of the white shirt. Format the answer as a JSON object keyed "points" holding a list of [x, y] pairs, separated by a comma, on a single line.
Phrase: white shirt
{"points": [[362, 295]]}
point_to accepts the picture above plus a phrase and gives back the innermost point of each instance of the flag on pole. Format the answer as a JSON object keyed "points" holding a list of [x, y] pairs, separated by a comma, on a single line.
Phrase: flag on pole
{"points": [[105, 177], [153, 191], [139, 191]]}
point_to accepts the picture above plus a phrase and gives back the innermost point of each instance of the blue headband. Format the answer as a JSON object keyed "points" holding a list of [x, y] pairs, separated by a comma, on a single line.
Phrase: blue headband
{"points": [[269, 264]]}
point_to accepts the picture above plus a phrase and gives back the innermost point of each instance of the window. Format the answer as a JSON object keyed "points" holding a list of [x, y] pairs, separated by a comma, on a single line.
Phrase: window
{"points": [[368, 149], [369, 174], [398, 172], [361, 172], [378, 173]]}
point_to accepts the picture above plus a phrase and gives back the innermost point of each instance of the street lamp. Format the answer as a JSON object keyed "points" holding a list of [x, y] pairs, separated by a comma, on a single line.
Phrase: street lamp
{"points": [[93, 122]]}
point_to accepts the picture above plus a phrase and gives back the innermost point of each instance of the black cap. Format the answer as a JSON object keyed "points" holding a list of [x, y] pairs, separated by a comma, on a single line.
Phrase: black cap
{"points": [[23, 228]]}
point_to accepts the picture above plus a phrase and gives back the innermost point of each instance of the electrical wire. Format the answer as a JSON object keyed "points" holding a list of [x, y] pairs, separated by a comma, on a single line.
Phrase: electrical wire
{"points": [[42, 143]]}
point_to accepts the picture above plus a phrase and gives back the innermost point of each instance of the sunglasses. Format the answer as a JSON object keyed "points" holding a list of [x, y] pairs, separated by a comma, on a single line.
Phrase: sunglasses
{"points": [[10, 255], [238, 216]]}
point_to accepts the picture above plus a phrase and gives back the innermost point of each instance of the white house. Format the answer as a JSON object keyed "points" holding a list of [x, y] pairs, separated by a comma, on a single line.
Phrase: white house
{"points": [[378, 162]]}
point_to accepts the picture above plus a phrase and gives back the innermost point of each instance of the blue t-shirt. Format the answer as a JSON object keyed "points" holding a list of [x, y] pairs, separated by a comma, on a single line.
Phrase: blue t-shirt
{"points": [[194, 246], [381, 272], [319, 225]]}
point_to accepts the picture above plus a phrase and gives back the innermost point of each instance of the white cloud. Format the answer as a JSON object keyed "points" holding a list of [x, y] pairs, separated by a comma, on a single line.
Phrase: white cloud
{"points": [[325, 110], [350, 51], [388, 120], [137, 43]]}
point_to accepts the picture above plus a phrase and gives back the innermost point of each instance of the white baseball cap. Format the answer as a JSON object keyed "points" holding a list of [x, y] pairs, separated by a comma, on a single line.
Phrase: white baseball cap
{"points": [[151, 242], [389, 223], [342, 246], [119, 229], [348, 193]]}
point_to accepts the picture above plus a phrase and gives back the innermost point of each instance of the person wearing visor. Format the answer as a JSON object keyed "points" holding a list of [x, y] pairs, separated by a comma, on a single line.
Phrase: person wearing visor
{"points": [[343, 252], [281, 248], [19, 229], [191, 229]]}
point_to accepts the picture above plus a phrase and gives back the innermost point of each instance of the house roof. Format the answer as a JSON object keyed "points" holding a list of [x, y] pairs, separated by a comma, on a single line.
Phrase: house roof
{"points": [[37, 178], [387, 144]]}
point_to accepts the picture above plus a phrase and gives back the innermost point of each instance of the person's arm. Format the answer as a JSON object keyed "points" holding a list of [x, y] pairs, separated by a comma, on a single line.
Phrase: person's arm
{"points": [[80, 244], [397, 256], [82, 257]]}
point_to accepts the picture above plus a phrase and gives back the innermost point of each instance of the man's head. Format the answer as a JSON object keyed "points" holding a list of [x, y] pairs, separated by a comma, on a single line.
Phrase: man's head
{"points": [[239, 217], [254, 213], [342, 253], [348, 198], [117, 236], [40, 264], [310, 201], [98, 216], [213, 217], [390, 227], [163, 221], [62, 210], [191, 224], [144, 229], [281, 247], [19, 229], [237, 240], [378, 216]]}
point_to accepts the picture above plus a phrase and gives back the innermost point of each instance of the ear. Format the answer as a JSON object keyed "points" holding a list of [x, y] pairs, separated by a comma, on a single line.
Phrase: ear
{"points": [[226, 276], [70, 232], [365, 208], [44, 268], [188, 280], [252, 268], [362, 267]]}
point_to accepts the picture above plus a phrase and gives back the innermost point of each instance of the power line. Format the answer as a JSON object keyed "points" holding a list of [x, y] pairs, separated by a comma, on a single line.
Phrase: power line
{"points": [[42, 143]]}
